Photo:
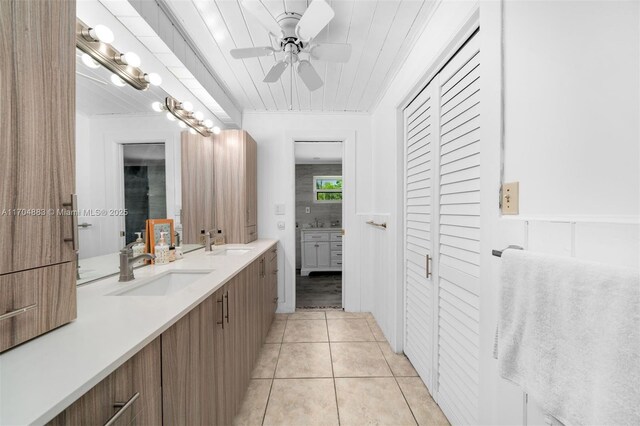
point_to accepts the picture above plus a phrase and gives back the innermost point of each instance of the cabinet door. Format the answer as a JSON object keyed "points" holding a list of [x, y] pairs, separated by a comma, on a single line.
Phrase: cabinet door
{"points": [[189, 385], [198, 204], [324, 254], [310, 255], [37, 131], [251, 180]]}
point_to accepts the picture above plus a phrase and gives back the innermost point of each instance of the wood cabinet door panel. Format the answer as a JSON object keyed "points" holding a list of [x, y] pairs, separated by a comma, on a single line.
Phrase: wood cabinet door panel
{"points": [[37, 131], [251, 180]]}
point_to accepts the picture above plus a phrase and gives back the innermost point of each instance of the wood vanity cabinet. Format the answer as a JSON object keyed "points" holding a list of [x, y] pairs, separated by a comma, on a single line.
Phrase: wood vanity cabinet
{"points": [[208, 355], [37, 151], [236, 185], [131, 395]]}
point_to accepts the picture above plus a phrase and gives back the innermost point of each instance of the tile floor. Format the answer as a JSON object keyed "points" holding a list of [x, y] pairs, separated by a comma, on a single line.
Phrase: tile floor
{"points": [[330, 368]]}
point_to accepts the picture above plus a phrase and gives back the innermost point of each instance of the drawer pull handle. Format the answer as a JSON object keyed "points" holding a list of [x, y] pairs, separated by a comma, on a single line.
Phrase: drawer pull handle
{"points": [[74, 240], [124, 406], [17, 312], [221, 322]]}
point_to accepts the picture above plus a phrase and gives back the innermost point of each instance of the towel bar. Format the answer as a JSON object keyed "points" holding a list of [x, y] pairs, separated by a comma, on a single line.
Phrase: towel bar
{"points": [[498, 253], [379, 225]]}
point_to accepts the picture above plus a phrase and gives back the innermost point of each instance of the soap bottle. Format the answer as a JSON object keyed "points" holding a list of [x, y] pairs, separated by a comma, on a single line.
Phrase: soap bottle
{"points": [[179, 253], [162, 251], [138, 248], [219, 238]]}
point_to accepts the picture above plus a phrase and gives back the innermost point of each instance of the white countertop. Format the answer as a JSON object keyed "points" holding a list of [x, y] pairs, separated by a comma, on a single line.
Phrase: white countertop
{"points": [[42, 377]]}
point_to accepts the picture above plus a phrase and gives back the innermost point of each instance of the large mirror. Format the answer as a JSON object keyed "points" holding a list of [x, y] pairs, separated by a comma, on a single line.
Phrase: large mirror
{"points": [[127, 167]]}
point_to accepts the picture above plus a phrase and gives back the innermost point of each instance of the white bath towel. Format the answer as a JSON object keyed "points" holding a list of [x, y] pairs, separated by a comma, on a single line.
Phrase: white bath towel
{"points": [[569, 335]]}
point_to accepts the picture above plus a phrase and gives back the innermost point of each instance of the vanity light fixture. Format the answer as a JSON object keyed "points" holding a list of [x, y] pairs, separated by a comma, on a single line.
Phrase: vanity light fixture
{"points": [[216, 130], [95, 42], [89, 61], [183, 111]]}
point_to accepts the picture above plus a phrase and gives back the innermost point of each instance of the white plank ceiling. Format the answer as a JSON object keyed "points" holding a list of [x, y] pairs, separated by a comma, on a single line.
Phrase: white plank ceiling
{"points": [[381, 33]]}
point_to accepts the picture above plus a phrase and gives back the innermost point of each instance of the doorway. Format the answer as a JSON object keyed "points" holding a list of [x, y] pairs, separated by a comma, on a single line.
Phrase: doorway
{"points": [[319, 222], [145, 194]]}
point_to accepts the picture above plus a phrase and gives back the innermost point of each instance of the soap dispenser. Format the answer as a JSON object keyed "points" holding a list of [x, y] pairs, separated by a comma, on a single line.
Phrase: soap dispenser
{"points": [[162, 251], [138, 248]]}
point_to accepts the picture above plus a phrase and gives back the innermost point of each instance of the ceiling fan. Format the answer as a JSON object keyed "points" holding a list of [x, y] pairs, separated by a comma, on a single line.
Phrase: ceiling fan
{"points": [[293, 35]]}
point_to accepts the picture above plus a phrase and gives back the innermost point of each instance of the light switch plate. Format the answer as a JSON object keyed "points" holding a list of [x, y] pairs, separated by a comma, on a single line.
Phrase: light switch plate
{"points": [[280, 209], [510, 198], [307, 209], [281, 225]]}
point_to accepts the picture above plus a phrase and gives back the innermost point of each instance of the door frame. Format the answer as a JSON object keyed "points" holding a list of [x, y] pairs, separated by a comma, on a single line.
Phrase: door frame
{"points": [[469, 26], [350, 281]]}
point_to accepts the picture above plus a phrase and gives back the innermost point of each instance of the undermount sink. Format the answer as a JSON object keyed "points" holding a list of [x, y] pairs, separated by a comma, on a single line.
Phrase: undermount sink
{"points": [[164, 284], [232, 252]]}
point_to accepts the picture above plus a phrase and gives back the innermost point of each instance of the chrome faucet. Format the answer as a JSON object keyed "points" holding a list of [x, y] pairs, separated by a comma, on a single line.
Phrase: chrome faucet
{"points": [[127, 261], [208, 241]]}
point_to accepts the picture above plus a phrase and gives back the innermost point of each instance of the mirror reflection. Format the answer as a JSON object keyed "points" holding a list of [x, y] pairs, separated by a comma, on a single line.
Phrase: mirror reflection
{"points": [[127, 168]]}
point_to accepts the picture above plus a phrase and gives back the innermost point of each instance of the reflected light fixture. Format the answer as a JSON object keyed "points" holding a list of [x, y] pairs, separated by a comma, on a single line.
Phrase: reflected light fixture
{"points": [[117, 81], [89, 61], [95, 42], [182, 111], [216, 130]]}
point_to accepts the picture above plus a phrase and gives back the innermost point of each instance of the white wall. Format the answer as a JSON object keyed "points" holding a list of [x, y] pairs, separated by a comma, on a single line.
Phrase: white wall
{"points": [[275, 134], [572, 106], [99, 172]]}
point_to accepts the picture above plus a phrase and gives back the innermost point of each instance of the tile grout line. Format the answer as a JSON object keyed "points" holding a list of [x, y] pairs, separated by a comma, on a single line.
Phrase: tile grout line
{"points": [[273, 376], [394, 375], [333, 374]]}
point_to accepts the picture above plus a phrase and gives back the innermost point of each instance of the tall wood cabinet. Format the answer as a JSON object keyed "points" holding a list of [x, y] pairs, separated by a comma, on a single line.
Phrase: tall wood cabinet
{"points": [[236, 185], [37, 178], [198, 200]]}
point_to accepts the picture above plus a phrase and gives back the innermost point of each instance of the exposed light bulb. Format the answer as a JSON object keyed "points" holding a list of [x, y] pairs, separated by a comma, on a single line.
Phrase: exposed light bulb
{"points": [[117, 80], [187, 106], [101, 33], [171, 117], [198, 115], [89, 61], [153, 78], [157, 106], [131, 59], [192, 131], [208, 123], [216, 130], [182, 125]]}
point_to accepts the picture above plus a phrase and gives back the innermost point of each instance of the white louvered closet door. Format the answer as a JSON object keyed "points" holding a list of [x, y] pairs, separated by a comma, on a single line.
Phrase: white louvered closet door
{"points": [[459, 235], [420, 131]]}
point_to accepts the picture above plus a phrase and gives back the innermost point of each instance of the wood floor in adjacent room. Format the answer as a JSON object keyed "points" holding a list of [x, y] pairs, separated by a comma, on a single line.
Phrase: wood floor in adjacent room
{"points": [[334, 367]]}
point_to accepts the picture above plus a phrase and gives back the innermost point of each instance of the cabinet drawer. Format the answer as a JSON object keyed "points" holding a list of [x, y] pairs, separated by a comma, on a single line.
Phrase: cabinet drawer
{"points": [[316, 236], [336, 263], [336, 246], [131, 395], [336, 255], [336, 236], [35, 301]]}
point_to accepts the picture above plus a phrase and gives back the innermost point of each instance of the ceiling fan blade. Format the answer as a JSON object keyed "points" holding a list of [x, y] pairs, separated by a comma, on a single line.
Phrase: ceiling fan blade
{"points": [[275, 72], [331, 52], [309, 75], [251, 52], [316, 17], [260, 12]]}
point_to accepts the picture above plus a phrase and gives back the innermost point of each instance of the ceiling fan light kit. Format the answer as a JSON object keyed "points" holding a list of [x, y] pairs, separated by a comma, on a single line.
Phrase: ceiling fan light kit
{"points": [[293, 35]]}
